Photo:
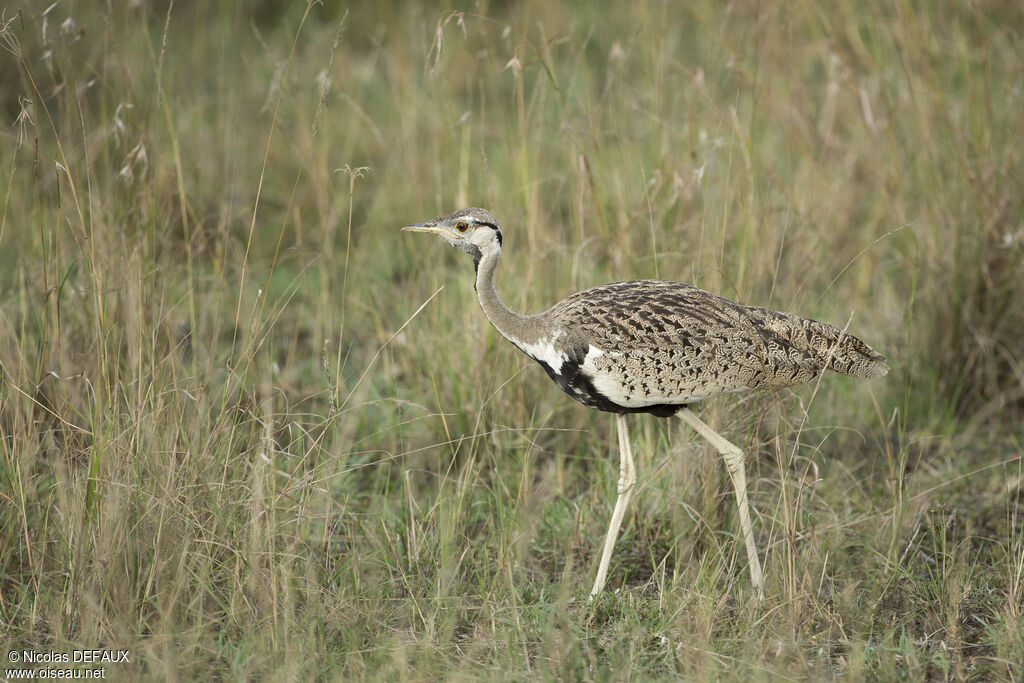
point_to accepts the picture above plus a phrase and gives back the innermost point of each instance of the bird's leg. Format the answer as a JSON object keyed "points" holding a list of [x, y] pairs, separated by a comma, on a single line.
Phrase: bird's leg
{"points": [[627, 479], [734, 462]]}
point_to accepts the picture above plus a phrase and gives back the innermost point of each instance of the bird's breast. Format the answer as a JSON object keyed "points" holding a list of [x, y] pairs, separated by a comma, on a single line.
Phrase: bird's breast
{"points": [[547, 351]]}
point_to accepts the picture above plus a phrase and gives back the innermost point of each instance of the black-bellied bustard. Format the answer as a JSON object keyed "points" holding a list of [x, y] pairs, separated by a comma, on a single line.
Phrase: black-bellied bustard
{"points": [[648, 346]]}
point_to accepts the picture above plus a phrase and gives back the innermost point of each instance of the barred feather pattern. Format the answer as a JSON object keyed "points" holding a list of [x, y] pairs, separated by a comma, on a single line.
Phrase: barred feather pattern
{"points": [[648, 345]]}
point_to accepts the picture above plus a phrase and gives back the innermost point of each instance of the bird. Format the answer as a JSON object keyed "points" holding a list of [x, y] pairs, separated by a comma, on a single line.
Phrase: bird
{"points": [[658, 347]]}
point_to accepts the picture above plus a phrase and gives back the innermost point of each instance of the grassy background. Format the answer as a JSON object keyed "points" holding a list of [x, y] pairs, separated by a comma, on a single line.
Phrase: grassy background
{"points": [[244, 431]]}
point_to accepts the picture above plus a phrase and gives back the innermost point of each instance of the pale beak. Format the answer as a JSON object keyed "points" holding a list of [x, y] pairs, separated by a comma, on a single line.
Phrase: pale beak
{"points": [[427, 227]]}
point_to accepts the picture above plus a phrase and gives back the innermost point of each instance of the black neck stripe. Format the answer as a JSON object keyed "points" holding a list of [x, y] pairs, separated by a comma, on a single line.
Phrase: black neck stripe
{"points": [[492, 226]]}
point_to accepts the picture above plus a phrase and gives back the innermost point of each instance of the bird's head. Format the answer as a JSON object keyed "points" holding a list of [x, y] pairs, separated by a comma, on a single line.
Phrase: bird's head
{"points": [[474, 231]]}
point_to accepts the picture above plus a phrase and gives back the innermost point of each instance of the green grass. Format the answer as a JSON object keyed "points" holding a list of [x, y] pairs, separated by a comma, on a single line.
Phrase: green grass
{"points": [[248, 429]]}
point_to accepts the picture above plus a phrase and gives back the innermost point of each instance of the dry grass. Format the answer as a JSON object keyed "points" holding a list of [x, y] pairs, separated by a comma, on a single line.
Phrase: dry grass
{"points": [[244, 432]]}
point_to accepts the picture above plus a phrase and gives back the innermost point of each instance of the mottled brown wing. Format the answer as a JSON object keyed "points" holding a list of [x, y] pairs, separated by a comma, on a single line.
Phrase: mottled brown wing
{"points": [[670, 342]]}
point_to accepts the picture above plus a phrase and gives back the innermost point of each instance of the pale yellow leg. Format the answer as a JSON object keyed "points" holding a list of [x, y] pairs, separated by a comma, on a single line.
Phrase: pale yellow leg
{"points": [[627, 479], [734, 462]]}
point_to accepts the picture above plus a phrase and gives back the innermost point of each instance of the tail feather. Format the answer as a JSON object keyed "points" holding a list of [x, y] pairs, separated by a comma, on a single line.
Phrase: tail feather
{"points": [[824, 345], [847, 354]]}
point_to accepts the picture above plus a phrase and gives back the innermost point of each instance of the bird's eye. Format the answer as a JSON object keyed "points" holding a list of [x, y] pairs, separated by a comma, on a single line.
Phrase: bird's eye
{"points": [[462, 226]]}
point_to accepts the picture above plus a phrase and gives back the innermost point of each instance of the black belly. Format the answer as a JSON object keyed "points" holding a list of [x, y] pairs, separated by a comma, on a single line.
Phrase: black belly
{"points": [[580, 387]]}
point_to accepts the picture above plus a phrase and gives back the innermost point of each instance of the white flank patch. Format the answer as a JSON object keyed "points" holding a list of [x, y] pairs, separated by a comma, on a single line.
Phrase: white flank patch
{"points": [[593, 353], [606, 383], [544, 350], [609, 385]]}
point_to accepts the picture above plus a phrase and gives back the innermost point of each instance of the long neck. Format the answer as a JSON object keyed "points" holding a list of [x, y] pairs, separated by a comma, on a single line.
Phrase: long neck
{"points": [[514, 327]]}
